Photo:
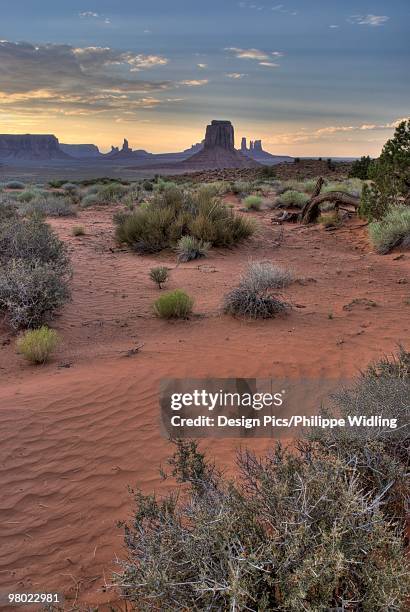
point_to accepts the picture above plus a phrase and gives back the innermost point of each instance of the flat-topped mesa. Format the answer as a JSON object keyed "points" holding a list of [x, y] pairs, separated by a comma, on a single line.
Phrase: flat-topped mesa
{"points": [[30, 147], [219, 134]]}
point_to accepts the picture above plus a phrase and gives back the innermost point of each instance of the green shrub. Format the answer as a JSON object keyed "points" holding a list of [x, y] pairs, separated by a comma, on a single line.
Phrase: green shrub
{"points": [[373, 204], [78, 230], [159, 275], [189, 248], [112, 193], [173, 214], [30, 292], [70, 187], [147, 185], [293, 198], [329, 219], [241, 187], [253, 202], [360, 168], [28, 195], [392, 230], [37, 345], [174, 305]]}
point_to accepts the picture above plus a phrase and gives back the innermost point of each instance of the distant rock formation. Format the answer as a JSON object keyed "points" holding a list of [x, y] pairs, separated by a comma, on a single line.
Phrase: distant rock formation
{"points": [[126, 153], [80, 150], [194, 148], [218, 150], [30, 147], [257, 153]]}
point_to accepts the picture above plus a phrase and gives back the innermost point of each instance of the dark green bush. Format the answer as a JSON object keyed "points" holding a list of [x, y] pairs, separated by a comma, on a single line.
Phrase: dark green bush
{"points": [[360, 168]]}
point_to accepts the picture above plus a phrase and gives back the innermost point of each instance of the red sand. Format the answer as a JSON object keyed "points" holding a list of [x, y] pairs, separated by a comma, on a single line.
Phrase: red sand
{"points": [[74, 438]]}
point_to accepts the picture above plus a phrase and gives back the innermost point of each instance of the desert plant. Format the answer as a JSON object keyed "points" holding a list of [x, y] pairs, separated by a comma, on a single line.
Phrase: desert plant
{"points": [[329, 219], [293, 198], [30, 292], [71, 188], [241, 187], [28, 195], [37, 345], [292, 533], [90, 199], [159, 275], [253, 202], [189, 248], [147, 185], [253, 297], [51, 206], [174, 305], [379, 454], [14, 185], [78, 230], [112, 192], [392, 230]]}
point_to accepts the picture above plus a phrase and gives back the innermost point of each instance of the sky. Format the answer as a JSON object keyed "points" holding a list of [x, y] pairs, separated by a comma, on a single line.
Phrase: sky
{"points": [[309, 78]]}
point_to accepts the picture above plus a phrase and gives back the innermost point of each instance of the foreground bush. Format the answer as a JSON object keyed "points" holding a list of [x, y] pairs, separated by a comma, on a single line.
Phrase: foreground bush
{"points": [[174, 305], [30, 292], [392, 230], [173, 214], [32, 239], [14, 185], [381, 456], [51, 206], [189, 248], [253, 297], [291, 534], [37, 345]]}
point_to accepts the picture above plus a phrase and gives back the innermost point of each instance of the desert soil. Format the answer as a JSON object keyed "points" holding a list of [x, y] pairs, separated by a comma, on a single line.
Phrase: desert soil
{"points": [[76, 432]]}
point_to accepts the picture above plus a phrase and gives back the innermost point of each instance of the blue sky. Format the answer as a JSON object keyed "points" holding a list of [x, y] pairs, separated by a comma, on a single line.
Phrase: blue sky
{"points": [[308, 77]]}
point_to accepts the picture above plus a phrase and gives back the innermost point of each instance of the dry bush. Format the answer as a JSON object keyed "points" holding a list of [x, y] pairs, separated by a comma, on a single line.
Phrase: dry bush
{"points": [[78, 230], [253, 202], [392, 230], [292, 534], [253, 297], [293, 198], [50, 206], [30, 292], [379, 454], [37, 345]]}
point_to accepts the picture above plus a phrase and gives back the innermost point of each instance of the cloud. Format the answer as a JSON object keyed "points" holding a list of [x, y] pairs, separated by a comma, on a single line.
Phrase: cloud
{"points": [[194, 82], [323, 133], [333, 26], [202, 66], [370, 20], [269, 64], [253, 54], [86, 14], [236, 75], [64, 79]]}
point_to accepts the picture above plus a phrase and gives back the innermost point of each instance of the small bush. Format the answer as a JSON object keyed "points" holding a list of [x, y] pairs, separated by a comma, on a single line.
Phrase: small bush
{"points": [[253, 297], [392, 230], [293, 198], [159, 275], [360, 168], [51, 206], [112, 193], [241, 187], [147, 186], [14, 185], [329, 219], [253, 202], [373, 204], [189, 248], [90, 199], [28, 195], [78, 230], [70, 187], [174, 305], [30, 292], [37, 345]]}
